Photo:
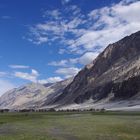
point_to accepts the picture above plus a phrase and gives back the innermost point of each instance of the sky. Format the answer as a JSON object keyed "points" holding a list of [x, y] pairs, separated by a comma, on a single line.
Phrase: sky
{"points": [[46, 41]]}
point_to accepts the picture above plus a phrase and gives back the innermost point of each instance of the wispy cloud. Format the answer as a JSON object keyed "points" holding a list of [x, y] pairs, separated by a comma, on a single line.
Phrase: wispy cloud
{"points": [[50, 80], [19, 67], [87, 58], [58, 63], [28, 76], [67, 72], [58, 25], [65, 1], [33, 76], [79, 33], [84, 59]]}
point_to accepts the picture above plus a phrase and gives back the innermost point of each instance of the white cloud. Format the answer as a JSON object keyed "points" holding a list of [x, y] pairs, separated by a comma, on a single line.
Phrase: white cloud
{"points": [[19, 66], [84, 59], [53, 14], [129, 13], [35, 73], [88, 58], [58, 63], [41, 40], [112, 23], [5, 86], [64, 63], [34, 77], [50, 80], [68, 72], [115, 22], [92, 31], [65, 1], [28, 76], [57, 25]]}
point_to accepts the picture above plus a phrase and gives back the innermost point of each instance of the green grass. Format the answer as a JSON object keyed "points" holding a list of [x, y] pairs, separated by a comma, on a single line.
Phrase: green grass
{"points": [[70, 126]]}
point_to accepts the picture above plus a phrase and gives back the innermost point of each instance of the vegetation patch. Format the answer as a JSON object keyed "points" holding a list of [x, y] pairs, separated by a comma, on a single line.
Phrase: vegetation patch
{"points": [[70, 126]]}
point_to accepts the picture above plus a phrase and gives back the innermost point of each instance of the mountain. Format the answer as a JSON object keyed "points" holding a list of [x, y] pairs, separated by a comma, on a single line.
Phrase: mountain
{"points": [[33, 95], [112, 79]]}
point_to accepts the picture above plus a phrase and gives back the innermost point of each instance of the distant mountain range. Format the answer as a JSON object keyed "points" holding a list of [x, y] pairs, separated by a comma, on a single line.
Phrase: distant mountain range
{"points": [[33, 95], [111, 81]]}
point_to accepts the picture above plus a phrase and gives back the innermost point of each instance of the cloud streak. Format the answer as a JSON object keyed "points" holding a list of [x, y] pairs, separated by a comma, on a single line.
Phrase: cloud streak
{"points": [[28, 76], [19, 67], [50, 80], [33, 76], [65, 1], [84, 59], [67, 72]]}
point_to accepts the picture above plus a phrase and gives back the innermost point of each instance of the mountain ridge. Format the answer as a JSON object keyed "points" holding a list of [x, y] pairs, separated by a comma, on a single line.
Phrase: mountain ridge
{"points": [[111, 80], [33, 95], [117, 63]]}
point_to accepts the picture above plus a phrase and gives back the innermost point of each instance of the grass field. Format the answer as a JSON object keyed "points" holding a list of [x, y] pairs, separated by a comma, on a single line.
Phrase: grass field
{"points": [[70, 126]]}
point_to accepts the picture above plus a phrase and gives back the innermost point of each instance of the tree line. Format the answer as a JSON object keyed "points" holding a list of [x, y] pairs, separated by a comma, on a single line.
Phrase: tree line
{"points": [[52, 110]]}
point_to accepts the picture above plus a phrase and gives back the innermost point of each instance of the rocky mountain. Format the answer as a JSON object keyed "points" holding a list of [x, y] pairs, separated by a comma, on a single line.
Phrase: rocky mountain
{"points": [[33, 95], [111, 81], [114, 76]]}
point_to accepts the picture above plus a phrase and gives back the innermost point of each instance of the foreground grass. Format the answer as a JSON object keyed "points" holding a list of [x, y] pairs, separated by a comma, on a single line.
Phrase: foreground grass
{"points": [[70, 126]]}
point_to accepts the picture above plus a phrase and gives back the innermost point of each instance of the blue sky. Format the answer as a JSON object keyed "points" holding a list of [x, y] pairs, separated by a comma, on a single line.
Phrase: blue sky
{"points": [[50, 40]]}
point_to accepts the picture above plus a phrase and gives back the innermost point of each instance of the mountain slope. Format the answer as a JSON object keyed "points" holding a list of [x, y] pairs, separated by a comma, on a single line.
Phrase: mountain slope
{"points": [[111, 81], [32, 95], [114, 75]]}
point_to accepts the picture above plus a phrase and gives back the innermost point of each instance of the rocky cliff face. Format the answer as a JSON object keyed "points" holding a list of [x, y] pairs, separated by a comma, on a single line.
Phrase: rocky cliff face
{"points": [[33, 95], [114, 74]]}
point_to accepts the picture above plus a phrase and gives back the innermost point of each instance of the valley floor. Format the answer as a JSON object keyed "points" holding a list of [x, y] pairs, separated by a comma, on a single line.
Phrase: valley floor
{"points": [[70, 126]]}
